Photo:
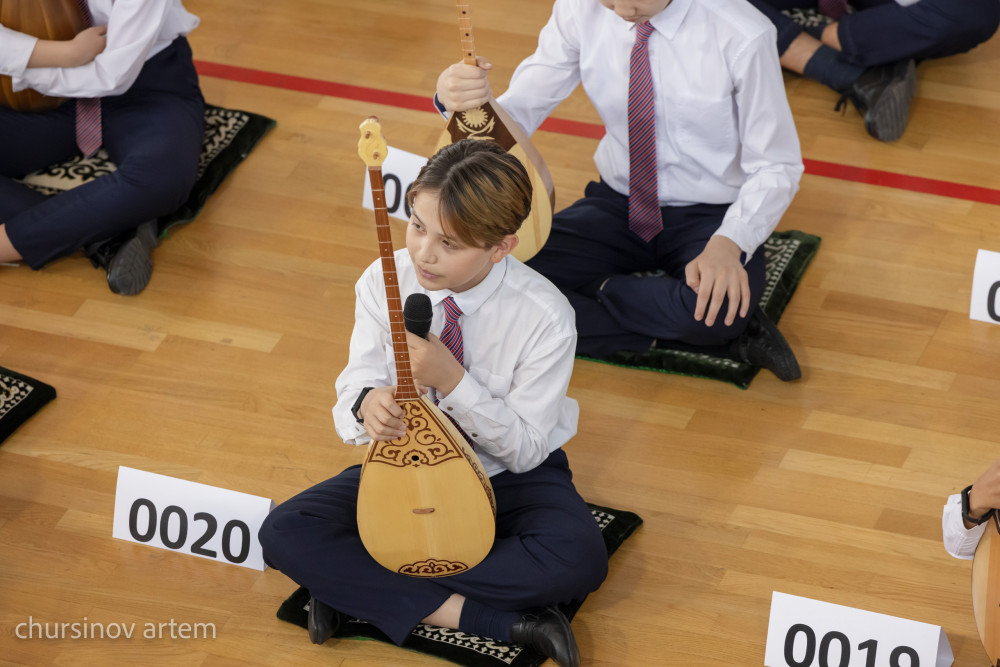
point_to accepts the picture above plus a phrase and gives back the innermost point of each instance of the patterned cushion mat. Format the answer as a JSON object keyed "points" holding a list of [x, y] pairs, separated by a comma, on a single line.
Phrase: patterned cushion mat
{"points": [[20, 397], [460, 647], [230, 135], [808, 18], [788, 254]]}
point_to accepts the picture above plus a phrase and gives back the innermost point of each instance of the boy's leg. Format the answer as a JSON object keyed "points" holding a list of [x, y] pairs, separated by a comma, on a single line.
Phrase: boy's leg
{"points": [[883, 31], [663, 307], [548, 548], [590, 241], [313, 538]]}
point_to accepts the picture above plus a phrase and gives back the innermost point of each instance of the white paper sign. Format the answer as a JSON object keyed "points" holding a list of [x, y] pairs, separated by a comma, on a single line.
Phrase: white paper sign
{"points": [[190, 518], [985, 305], [809, 633], [399, 171]]}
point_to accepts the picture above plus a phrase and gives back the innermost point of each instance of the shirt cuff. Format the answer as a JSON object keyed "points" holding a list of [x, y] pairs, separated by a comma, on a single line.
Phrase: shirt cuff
{"points": [[463, 397], [18, 50], [440, 107]]}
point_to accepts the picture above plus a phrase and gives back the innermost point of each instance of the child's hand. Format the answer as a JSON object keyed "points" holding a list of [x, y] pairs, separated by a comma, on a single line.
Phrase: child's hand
{"points": [[433, 364], [462, 86], [716, 274], [87, 45], [985, 493], [381, 416]]}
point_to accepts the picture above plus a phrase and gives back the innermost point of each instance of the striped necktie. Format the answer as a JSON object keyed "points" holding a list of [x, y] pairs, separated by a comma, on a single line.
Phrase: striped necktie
{"points": [[644, 217], [833, 8], [88, 111], [451, 336]]}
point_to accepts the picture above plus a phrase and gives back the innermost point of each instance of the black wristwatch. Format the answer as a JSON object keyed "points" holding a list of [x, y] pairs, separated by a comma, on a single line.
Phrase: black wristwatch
{"points": [[966, 510], [357, 404]]}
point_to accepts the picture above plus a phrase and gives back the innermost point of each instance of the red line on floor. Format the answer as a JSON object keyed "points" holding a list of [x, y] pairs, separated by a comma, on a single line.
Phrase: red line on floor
{"points": [[586, 130]]}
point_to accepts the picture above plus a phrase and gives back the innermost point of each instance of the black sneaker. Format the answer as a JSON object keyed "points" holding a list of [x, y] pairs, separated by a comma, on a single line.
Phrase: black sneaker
{"points": [[883, 95], [127, 258]]}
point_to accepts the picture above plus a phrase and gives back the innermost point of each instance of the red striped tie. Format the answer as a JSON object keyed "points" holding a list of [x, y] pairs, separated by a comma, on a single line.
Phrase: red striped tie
{"points": [[88, 111], [833, 8], [451, 336], [644, 217]]}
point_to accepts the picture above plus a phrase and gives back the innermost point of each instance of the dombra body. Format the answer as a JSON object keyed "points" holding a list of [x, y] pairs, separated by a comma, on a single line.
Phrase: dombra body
{"points": [[986, 589]]}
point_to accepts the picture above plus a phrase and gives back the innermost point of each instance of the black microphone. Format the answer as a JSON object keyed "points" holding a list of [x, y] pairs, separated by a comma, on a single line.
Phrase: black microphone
{"points": [[417, 314]]}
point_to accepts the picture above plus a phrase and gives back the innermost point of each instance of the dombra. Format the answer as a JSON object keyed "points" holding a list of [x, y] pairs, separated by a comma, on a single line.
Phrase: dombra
{"points": [[986, 589], [58, 20], [425, 504], [491, 122]]}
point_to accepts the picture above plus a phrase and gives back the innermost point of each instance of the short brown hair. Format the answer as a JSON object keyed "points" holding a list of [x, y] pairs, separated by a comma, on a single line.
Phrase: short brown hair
{"points": [[484, 192]]}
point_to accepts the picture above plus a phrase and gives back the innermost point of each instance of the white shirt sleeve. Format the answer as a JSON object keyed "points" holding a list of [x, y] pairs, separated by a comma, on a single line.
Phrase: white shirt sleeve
{"points": [[15, 51], [133, 27], [516, 429], [959, 541], [367, 365], [548, 76], [770, 155]]}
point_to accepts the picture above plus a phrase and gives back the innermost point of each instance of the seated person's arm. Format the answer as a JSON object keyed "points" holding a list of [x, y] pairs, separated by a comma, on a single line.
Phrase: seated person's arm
{"points": [[517, 427], [132, 29], [366, 367], [961, 537], [771, 160], [75, 52]]}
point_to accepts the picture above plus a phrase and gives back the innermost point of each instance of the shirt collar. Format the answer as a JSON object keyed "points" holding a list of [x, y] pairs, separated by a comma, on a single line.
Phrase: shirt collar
{"points": [[471, 299], [667, 22]]}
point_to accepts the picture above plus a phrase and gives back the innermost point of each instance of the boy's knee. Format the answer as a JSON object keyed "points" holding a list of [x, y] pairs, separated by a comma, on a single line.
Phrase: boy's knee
{"points": [[972, 23]]}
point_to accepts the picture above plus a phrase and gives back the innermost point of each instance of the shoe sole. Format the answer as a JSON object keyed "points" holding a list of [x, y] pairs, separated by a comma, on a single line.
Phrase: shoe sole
{"points": [[132, 266], [887, 119]]}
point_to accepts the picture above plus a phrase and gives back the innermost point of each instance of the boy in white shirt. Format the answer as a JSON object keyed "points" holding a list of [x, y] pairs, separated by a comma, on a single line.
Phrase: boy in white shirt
{"points": [[508, 393], [725, 166]]}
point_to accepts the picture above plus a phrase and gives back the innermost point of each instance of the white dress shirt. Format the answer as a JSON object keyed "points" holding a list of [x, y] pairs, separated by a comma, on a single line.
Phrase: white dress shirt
{"points": [[137, 31], [519, 342], [724, 131], [959, 541]]}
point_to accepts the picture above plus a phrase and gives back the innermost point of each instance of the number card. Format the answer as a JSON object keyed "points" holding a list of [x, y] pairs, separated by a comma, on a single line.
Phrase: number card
{"points": [[190, 518], [985, 305], [399, 171], [809, 633]]}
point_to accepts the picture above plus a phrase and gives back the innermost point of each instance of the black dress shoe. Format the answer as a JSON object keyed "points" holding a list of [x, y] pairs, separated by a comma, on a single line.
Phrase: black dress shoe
{"points": [[883, 95], [324, 621], [549, 634], [762, 345], [128, 258]]}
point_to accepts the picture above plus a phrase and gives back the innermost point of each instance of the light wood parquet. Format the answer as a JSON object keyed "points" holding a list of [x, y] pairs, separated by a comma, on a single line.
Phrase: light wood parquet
{"points": [[222, 372]]}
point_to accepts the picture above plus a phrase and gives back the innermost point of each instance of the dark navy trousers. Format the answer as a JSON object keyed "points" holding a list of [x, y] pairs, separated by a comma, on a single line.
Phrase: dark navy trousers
{"points": [[882, 31], [548, 550], [591, 240], [153, 133]]}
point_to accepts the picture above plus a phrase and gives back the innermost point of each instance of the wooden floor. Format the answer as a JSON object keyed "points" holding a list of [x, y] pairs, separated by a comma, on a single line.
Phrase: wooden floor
{"points": [[222, 372]]}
